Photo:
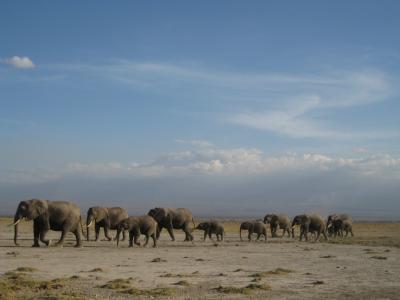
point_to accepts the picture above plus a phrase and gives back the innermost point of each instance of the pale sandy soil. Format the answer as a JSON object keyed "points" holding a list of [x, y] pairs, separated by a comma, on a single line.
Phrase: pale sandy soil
{"points": [[317, 270]]}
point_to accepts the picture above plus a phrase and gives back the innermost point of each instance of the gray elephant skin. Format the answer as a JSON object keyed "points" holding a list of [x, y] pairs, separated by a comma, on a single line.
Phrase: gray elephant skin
{"points": [[210, 228], [309, 223], [104, 217], [179, 218], [276, 221], [49, 215], [339, 226], [341, 221], [253, 227], [136, 226]]}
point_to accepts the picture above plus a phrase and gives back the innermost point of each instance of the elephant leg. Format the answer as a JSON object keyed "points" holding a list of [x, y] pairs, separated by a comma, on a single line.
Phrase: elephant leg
{"points": [[106, 233], [318, 234], [205, 235], [136, 239], [42, 234], [97, 231], [123, 235], [171, 233], [189, 236], [325, 235], [77, 234], [147, 240], [154, 237], [62, 238], [158, 232], [130, 239], [35, 234], [249, 236]]}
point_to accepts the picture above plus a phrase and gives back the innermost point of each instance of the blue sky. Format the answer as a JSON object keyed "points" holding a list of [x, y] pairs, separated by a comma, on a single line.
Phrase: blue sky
{"points": [[258, 94]]}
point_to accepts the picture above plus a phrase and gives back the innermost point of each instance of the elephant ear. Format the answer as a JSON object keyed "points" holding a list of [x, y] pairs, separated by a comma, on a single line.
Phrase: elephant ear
{"points": [[43, 213], [107, 217], [159, 214]]}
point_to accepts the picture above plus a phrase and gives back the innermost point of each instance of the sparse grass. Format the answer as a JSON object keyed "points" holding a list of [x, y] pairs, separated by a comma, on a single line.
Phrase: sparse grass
{"points": [[182, 283], [26, 269], [328, 256], [117, 284], [379, 257], [17, 282], [96, 270], [157, 292], [158, 259], [247, 290], [170, 275], [278, 271]]}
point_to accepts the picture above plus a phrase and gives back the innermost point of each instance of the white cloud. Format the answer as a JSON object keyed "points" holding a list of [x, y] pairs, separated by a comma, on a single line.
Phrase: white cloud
{"points": [[19, 62]]}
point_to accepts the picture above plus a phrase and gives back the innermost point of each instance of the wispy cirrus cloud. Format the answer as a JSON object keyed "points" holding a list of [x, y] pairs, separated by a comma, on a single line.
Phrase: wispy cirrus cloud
{"points": [[296, 105]]}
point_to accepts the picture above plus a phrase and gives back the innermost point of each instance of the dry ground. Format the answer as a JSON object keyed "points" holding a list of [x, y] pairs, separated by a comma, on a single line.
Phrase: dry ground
{"points": [[364, 267]]}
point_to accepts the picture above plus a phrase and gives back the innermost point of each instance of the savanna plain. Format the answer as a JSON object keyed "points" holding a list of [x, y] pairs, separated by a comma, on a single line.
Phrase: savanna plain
{"points": [[366, 266]]}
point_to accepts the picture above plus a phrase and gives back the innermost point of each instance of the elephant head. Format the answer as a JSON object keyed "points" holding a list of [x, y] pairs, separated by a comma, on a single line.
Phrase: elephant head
{"points": [[203, 226], [123, 225], [33, 209], [268, 219], [96, 214], [300, 220]]}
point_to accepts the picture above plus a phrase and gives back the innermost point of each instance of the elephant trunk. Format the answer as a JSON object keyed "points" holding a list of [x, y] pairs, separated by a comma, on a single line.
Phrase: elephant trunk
{"points": [[89, 221], [17, 219]]}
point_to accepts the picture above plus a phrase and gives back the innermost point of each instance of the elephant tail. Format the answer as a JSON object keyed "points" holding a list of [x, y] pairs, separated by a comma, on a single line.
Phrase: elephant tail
{"points": [[80, 222]]}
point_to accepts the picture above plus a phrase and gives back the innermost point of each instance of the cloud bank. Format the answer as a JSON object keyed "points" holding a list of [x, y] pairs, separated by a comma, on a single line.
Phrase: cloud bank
{"points": [[223, 182]]}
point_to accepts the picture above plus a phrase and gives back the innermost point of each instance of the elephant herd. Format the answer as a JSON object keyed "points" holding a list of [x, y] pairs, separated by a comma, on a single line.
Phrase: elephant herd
{"points": [[66, 217]]}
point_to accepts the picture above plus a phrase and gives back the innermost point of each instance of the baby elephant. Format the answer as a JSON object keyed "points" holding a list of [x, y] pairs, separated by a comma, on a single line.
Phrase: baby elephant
{"points": [[136, 226], [253, 227], [212, 227]]}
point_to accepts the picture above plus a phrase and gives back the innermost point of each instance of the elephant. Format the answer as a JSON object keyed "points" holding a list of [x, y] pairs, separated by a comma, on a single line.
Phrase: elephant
{"points": [[49, 215], [171, 219], [330, 221], [136, 226], [309, 223], [278, 221], [253, 227], [339, 225], [106, 217], [212, 227]]}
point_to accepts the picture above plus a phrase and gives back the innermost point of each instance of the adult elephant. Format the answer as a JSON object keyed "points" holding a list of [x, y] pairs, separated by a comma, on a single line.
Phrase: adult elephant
{"points": [[309, 223], [49, 215], [342, 218], [106, 217], [278, 221], [253, 227], [178, 218]]}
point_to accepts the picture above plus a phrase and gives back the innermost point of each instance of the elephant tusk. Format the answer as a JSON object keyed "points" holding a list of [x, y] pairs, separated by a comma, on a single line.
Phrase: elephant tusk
{"points": [[19, 220], [293, 226], [90, 223]]}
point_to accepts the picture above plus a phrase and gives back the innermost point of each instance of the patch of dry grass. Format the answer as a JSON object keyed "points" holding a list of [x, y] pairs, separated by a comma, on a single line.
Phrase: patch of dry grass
{"points": [[117, 284], [17, 283], [157, 292], [278, 271], [247, 290]]}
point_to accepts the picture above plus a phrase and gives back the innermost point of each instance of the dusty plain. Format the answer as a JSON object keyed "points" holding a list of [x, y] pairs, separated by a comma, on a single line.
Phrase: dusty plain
{"points": [[366, 266]]}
